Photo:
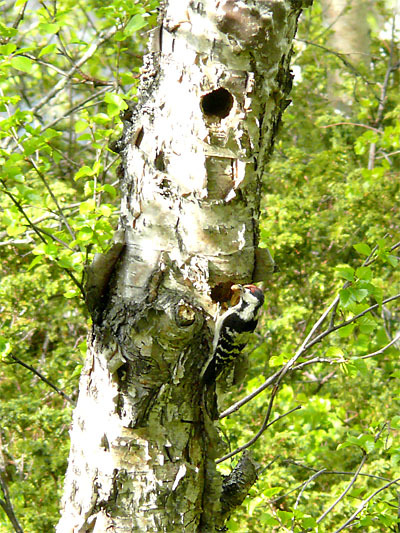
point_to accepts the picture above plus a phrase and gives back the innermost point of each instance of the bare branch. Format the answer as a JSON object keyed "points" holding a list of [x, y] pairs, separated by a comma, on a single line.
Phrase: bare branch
{"points": [[349, 321], [39, 232], [308, 343], [396, 339], [352, 124], [383, 96], [364, 503], [43, 378], [61, 84], [53, 197], [75, 108], [236, 406], [303, 488], [7, 506], [333, 472], [265, 426], [346, 490], [340, 56]]}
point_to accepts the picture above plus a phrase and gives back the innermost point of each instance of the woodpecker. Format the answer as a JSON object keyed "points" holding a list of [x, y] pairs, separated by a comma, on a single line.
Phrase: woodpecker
{"points": [[232, 330]]}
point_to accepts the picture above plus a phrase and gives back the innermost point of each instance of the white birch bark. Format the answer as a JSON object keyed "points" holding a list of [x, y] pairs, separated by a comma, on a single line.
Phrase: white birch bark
{"points": [[194, 152]]}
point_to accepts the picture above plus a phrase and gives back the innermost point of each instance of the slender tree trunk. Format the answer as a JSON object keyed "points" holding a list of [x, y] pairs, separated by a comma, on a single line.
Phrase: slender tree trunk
{"points": [[194, 152], [347, 21]]}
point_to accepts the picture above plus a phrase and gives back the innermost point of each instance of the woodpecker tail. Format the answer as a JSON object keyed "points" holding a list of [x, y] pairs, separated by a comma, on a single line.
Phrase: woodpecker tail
{"points": [[210, 373]]}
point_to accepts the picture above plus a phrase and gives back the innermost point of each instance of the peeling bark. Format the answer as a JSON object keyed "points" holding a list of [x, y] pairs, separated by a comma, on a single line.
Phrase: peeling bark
{"points": [[194, 152]]}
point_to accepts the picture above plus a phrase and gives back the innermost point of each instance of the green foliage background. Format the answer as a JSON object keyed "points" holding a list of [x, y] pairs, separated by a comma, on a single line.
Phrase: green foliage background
{"points": [[324, 214]]}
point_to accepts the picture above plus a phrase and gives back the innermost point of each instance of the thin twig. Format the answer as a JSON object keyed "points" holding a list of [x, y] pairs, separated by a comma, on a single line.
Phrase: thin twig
{"points": [[39, 234], [340, 56], [53, 197], [281, 373], [61, 84], [352, 124], [334, 472], [364, 503], [383, 97], [74, 108], [349, 321], [303, 488], [378, 352], [346, 490], [41, 176], [7, 505], [43, 378], [249, 397], [307, 343], [265, 426], [22, 211]]}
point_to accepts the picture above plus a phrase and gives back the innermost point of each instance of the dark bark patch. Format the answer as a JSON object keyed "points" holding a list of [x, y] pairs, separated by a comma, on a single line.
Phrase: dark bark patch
{"points": [[139, 138], [159, 161]]}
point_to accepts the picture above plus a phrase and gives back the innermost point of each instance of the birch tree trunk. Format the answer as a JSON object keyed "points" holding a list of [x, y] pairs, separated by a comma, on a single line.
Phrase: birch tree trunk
{"points": [[347, 21], [194, 152]]}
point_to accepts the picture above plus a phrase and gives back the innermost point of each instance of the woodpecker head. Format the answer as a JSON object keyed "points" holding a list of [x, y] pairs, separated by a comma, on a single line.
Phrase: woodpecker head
{"points": [[248, 295]]}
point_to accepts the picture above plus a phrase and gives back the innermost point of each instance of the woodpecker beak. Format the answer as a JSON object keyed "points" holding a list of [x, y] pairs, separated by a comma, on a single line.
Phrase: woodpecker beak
{"points": [[236, 290]]}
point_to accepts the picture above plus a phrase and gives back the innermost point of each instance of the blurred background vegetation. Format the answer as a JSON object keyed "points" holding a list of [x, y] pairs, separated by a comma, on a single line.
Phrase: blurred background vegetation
{"points": [[329, 215]]}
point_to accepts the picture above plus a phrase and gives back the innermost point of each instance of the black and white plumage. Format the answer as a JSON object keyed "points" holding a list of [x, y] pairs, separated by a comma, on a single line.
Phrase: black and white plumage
{"points": [[232, 330]]}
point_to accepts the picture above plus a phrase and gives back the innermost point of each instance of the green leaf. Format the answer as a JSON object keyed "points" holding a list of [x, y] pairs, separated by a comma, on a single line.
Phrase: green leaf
{"points": [[361, 366], [364, 273], [362, 248], [285, 516], [80, 125], [105, 210], [277, 360], [115, 103], [7, 32], [360, 294], [269, 520], [345, 272], [271, 491], [334, 352], [71, 294], [7, 49], [87, 207], [308, 522], [46, 28], [393, 260], [5, 347], [347, 297], [49, 49], [65, 262], [395, 422], [38, 259], [22, 63], [136, 23], [15, 228], [346, 331], [112, 191], [85, 234], [84, 171]]}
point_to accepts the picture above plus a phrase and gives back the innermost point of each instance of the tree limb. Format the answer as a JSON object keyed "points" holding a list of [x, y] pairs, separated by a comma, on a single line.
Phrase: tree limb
{"points": [[265, 426], [364, 503], [346, 490], [7, 506], [43, 378]]}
